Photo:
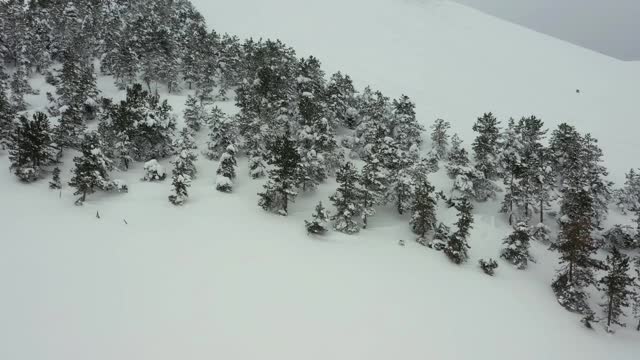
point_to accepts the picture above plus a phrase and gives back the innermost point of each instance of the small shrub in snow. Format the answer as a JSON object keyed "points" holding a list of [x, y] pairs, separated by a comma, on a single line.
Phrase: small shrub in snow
{"points": [[488, 266], [224, 184], [622, 237], [440, 238], [55, 180], [153, 171], [226, 170], [319, 221]]}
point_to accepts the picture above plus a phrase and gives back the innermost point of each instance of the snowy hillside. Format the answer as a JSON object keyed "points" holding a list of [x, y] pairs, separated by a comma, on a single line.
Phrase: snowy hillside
{"points": [[219, 278]]}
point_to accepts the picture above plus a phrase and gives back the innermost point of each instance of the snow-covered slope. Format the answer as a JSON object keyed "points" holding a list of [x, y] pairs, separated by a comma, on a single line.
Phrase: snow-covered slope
{"points": [[221, 279], [455, 62]]}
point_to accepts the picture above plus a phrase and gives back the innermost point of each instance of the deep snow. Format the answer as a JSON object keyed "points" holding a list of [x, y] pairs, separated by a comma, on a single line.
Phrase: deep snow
{"points": [[219, 278]]}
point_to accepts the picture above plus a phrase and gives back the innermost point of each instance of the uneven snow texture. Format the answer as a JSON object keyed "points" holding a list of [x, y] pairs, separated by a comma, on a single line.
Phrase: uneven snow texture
{"points": [[218, 278]]}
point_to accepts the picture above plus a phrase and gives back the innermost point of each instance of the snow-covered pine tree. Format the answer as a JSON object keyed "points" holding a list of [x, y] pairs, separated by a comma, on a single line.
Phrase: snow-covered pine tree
{"points": [[55, 180], [71, 126], [457, 246], [281, 187], [6, 109], [181, 181], [618, 288], [423, 217], [319, 220], [628, 197], [222, 133], [193, 113], [400, 190], [440, 237], [536, 179], [153, 171], [30, 146], [486, 146], [91, 169], [488, 266], [185, 146], [340, 97], [440, 138], [513, 171], [374, 184], [458, 157], [347, 199], [516, 250], [406, 130], [226, 170], [596, 174], [20, 87], [576, 247]]}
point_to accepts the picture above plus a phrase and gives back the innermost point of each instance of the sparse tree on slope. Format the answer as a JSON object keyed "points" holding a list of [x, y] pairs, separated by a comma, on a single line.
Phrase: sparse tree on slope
{"points": [[193, 114], [226, 170], [440, 138], [516, 250], [618, 288], [486, 145], [457, 246], [423, 218], [91, 170], [30, 146], [318, 223], [281, 187]]}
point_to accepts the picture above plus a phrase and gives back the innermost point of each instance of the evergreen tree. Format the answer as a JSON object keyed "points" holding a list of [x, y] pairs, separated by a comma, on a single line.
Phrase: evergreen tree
{"points": [[55, 181], [576, 247], [281, 187], [628, 197], [456, 248], [536, 178], [488, 266], [222, 133], [226, 170], [440, 138], [347, 199], [193, 114], [618, 288], [181, 181], [513, 171], [516, 250], [340, 96], [458, 157], [423, 218], [318, 223], [440, 237], [30, 146], [6, 110], [401, 189], [91, 170], [596, 176], [486, 145], [185, 146], [374, 185], [19, 88], [405, 128]]}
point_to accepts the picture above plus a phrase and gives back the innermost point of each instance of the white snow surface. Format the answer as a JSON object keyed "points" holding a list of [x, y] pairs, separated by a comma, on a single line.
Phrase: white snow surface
{"points": [[218, 278]]}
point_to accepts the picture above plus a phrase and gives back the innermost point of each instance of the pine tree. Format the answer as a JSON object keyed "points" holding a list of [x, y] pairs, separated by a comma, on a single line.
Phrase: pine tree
{"points": [[596, 175], [222, 133], [55, 181], [513, 171], [6, 109], [19, 88], [30, 146], [618, 288], [458, 157], [374, 185], [318, 223], [347, 199], [91, 170], [226, 170], [281, 187], [181, 181], [516, 250], [576, 247], [401, 189], [193, 114], [340, 95], [456, 248], [423, 218], [405, 128], [488, 266], [628, 197], [486, 145], [536, 178], [440, 138], [440, 237]]}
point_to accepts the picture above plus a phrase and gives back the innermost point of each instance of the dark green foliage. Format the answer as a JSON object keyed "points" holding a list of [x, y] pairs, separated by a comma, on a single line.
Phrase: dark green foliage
{"points": [[440, 138], [423, 217], [488, 266], [30, 146], [457, 246], [55, 180], [91, 169], [618, 288], [226, 170], [347, 199], [516, 250], [486, 146], [319, 221], [193, 114], [281, 187]]}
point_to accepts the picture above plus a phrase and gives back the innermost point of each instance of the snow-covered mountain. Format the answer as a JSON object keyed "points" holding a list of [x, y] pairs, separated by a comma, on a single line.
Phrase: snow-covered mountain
{"points": [[220, 278]]}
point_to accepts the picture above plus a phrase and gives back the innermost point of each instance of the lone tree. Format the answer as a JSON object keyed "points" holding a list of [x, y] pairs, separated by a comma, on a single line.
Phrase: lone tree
{"points": [[456, 248], [516, 250], [347, 199], [318, 223], [618, 287], [30, 146], [181, 180], [423, 218], [281, 187]]}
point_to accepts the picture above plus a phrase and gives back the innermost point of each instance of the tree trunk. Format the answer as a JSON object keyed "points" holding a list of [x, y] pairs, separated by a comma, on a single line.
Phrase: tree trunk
{"points": [[541, 211], [610, 312], [638, 328]]}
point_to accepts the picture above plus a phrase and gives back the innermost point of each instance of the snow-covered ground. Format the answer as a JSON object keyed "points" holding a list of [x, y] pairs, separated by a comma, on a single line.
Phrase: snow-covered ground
{"points": [[220, 279]]}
